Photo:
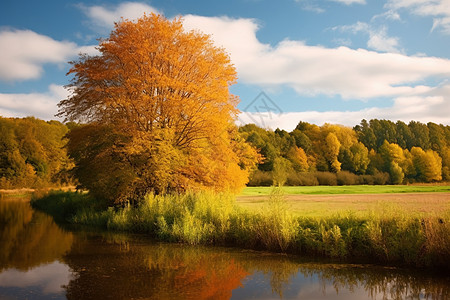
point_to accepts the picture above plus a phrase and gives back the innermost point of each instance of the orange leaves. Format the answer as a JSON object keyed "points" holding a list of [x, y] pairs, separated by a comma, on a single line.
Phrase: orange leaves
{"points": [[153, 78]]}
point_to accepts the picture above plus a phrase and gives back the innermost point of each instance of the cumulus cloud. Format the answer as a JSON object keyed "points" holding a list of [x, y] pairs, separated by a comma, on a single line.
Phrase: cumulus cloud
{"points": [[378, 37], [315, 70], [40, 105], [432, 105], [25, 52], [103, 18], [439, 10]]}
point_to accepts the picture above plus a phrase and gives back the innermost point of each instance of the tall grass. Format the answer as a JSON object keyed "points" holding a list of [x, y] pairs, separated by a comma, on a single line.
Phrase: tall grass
{"points": [[388, 235]]}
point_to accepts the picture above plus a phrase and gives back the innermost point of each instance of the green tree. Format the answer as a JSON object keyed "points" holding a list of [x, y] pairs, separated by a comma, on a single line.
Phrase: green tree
{"points": [[366, 135], [396, 173], [302, 140], [355, 159], [405, 138], [281, 167], [421, 134]]}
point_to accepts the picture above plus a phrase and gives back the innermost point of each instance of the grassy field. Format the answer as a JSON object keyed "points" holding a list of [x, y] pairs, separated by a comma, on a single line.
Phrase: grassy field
{"points": [[348, 189], [361, 201]]}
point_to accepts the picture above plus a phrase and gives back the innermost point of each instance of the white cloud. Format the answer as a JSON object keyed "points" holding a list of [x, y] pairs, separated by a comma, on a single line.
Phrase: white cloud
{"points": [[40, 105], [438, 9], [103, 18], [432, 105], [314, 5], [310, 5], [314, 70], [378, 37], [390, 14], [380, 41], [24, 54], [348, 2]]}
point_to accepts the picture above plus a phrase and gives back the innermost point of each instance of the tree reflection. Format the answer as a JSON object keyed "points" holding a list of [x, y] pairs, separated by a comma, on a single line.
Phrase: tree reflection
{"points": [[146, 270], [29, 238], [127, 266], [122, 267]]}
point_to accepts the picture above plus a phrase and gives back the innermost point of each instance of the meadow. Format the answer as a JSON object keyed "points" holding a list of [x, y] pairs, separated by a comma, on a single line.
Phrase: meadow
{"points": [[349, 189], [386, 233], [360, 200]]}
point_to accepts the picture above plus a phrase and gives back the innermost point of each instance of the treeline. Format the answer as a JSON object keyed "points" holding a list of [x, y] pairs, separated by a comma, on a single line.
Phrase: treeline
{"points": [[374, 152], [32, 153]]}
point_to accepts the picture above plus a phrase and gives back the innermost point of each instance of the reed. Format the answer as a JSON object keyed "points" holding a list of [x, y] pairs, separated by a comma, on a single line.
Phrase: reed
{"points": [[387, 235]]}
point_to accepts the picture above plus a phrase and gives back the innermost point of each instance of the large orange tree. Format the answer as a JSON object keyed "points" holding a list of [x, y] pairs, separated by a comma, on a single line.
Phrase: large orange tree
{"points": [[157, 113]]}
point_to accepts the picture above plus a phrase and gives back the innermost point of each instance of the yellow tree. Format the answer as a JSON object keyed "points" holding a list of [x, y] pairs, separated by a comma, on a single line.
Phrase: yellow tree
{"points": [[298, 158], [332, 146], [162, 93], [427, 163]]}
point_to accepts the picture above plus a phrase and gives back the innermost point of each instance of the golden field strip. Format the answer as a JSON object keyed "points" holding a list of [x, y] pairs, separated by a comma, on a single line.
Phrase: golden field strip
{"points": [[328, 201]]}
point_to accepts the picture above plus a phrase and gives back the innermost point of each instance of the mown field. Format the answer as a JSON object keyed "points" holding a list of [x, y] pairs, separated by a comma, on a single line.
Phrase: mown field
{"points": [[359, 200], [348, 189]]}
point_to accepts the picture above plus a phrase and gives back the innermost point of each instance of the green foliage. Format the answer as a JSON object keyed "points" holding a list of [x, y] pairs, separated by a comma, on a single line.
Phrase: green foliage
{"points": [[378, 151], [281, 167], [274, 226], [32, 153], [396, 172]]}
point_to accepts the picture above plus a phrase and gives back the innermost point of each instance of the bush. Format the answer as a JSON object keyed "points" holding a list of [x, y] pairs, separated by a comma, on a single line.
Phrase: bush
{"points": [[380, 178], [301, 179], [260, 178], [367, 179], [347, 178], [326, 178]]}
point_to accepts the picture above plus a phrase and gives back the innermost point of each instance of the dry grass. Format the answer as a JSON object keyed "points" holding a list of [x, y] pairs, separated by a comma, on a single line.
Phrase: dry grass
{"points": [[360, 204]]}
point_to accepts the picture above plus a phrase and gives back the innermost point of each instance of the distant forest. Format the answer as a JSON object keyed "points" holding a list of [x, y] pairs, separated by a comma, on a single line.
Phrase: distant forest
{"points": [[374, 152], [33, 153]]}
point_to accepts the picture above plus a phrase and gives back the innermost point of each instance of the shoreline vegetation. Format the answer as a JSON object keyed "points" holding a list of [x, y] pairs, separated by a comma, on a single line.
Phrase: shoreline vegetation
{"points": [[388, 235]]}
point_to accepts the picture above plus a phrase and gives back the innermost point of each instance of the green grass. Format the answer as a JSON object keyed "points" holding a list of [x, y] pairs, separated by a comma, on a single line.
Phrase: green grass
{"points": [[348, 189], [388, 235]]}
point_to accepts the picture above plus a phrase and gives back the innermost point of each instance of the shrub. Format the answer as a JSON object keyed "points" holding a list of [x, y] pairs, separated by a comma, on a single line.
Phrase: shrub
{"points": [[326, 178], [347, 178], [380, 178], [276, 228], [260, 178], [301, 179]]}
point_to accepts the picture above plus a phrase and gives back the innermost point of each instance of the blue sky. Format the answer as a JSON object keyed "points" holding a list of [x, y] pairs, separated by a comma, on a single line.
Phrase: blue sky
{"points": [[334, 61]]}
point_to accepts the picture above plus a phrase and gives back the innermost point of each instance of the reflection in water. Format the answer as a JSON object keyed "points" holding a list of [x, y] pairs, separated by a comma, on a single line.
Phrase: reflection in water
{"points": [[46, 279], [139, 268], [144, 269], [29, 238], [40, 260]]}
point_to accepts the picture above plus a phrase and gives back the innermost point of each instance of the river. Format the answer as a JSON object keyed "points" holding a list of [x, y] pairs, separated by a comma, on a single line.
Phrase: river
{"points": [[41, 260]]}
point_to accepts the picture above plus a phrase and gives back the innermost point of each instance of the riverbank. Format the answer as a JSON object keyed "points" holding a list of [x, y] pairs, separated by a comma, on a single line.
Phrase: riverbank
{"points": [[388, 236]]}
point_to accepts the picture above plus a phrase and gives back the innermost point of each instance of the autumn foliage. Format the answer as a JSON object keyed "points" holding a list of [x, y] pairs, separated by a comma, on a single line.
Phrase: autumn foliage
{"points": [[158, 112]]}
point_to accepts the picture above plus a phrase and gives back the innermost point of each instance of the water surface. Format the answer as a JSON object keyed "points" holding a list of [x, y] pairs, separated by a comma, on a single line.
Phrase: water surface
{"points": [[41, 260]]}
